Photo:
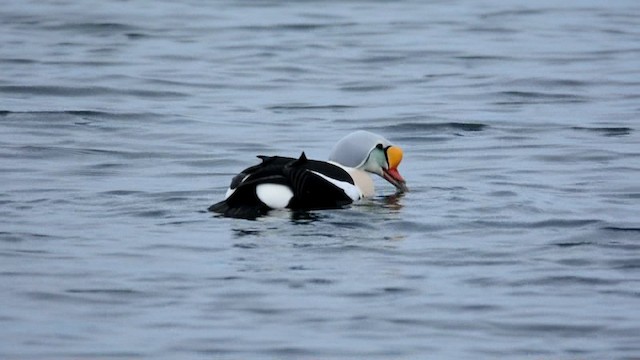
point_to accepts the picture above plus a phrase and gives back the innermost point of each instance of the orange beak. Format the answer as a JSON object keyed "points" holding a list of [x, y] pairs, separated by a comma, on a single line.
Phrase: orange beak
{"points": [[394, 157]]}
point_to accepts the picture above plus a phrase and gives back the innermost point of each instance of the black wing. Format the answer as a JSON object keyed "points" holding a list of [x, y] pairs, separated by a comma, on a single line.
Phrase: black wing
{"points": [[244, 202], [311, 191]]}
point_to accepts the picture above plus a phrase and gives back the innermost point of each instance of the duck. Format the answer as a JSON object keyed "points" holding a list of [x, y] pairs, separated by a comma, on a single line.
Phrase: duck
{"points": [[280, 182]]}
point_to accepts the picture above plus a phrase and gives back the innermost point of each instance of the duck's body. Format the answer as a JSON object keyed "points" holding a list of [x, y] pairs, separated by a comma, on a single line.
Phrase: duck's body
{"points": [[285, 182]]}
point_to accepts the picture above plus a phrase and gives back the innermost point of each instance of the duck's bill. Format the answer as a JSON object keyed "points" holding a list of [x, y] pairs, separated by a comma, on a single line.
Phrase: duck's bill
{"points": [[394, 177]]}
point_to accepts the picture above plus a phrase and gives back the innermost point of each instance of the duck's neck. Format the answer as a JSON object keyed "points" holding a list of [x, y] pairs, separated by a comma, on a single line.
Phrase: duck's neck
{"points": [[363, 181]]}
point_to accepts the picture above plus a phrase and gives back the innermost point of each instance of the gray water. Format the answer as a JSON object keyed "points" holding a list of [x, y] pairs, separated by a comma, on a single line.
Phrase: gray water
{"points": [[122, 121]]}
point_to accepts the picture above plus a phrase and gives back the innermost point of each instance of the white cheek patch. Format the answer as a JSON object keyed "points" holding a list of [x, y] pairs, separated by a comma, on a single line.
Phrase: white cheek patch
{"points": [[274, 196], [349, 189]]}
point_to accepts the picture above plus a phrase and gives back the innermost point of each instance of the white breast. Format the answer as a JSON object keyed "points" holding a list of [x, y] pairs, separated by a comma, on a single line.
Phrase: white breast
{"points": [[363, 181]]}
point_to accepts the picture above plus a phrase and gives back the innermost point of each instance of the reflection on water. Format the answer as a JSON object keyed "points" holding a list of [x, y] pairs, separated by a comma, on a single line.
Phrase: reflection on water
{"points": [[392, 202], [305, 217]]}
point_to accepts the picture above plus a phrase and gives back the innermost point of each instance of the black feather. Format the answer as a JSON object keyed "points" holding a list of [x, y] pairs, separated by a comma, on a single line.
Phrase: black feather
{"points": [[310, 190]]}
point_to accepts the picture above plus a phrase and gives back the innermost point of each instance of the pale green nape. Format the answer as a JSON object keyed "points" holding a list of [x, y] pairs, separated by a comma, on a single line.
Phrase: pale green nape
{"points": [[376, 161]]}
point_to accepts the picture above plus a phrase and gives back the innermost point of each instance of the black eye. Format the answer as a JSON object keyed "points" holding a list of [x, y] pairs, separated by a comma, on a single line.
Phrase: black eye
{"points": [[379, 146]]}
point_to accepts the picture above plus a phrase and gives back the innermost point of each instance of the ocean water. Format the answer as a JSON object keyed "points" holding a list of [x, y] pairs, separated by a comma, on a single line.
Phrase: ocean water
{"points": [[122, 121]]}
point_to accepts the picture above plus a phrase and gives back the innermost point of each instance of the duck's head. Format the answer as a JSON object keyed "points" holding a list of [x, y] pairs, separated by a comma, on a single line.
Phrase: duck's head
{"points": [[370, 152]]}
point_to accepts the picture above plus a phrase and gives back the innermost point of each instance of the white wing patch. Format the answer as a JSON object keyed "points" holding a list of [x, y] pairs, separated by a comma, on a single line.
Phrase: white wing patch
{"points": [[351, 190], [230, 191], [275, 196]]}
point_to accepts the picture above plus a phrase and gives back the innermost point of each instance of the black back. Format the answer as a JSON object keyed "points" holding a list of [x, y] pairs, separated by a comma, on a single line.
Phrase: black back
{"points": [[310, 190]]}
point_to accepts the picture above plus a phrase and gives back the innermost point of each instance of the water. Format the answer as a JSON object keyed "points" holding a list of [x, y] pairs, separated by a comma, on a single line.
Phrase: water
{"points": [[122, 121]]}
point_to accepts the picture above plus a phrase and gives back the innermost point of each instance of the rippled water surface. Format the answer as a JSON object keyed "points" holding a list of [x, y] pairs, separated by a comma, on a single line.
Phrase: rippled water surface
{"points": [[122, 121]]}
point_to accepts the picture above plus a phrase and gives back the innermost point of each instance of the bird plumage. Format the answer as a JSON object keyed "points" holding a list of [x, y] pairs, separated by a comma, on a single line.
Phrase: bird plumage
{"points": [[306, 179], [300, 183]]}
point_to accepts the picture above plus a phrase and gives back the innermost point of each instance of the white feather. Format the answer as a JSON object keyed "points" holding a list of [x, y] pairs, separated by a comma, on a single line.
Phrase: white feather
{"points": [[274, 196], [230, 191], [351, 190]]}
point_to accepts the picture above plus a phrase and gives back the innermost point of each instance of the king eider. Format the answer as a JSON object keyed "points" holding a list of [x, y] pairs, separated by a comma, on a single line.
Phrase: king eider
{"points": [[283, 182]]}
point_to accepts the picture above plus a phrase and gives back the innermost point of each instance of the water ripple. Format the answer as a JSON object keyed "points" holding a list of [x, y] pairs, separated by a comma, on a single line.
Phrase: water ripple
{"points": [[515, 97], [91, 91], [121, 122], [606, 131], [433, 127]]}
